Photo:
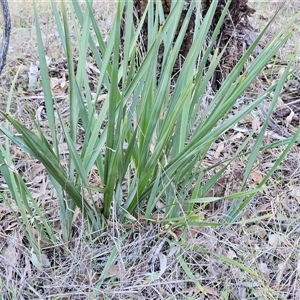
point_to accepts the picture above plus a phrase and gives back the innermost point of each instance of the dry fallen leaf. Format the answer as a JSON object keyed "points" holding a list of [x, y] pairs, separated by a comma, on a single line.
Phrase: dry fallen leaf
{"points": [[36, 169], [162, 263], [256, 176], [27, 268], [219, 150], [39, 112], [237, 136], [264, 269], [11, 256], [290, 117], [281, 271], [295, 192], [257, 230], [210, 291], [54, 81], [231, 254], [33, 75], [298, 267], [44, 260], [275, 240], [63, 83], [256, 124], [115, 270]]}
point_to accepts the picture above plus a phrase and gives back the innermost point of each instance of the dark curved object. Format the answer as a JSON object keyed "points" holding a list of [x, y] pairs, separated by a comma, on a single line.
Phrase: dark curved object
{"points": [[6, 34]]}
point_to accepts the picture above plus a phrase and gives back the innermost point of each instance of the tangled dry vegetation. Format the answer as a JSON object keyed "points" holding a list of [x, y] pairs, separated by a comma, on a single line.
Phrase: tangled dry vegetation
{"points": [[259, 260]]}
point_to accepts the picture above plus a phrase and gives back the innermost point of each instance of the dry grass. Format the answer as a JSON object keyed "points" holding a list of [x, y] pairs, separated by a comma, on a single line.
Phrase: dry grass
{"points": [[148, 262]]}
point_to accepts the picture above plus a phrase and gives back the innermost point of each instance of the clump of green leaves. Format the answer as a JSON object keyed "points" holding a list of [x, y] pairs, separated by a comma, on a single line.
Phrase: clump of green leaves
{"points": [[148, 141]]}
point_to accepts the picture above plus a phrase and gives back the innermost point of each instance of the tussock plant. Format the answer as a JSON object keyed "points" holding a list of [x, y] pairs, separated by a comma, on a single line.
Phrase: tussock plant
{"points": [[144, 139]]}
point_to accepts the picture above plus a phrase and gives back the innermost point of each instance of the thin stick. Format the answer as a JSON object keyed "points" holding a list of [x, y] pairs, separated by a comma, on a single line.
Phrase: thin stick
{"points": [[6, 34]]}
